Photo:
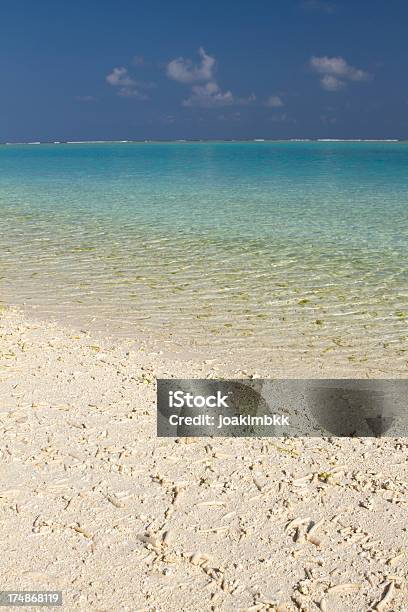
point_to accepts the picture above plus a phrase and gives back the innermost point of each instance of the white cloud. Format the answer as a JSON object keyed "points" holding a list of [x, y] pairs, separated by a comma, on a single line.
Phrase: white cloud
{"points": [[210, 96], [337, 66], [336, 71], [119, 77], [331, 83], [184, 71], [127, 86], [274, 102]]}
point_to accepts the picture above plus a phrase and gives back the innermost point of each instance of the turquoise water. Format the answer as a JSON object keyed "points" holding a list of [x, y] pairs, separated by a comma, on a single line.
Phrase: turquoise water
{"points": [[285, 245]]}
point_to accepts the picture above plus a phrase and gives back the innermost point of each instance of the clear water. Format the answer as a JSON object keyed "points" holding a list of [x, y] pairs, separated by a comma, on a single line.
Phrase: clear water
{"points": [[292, 246]]}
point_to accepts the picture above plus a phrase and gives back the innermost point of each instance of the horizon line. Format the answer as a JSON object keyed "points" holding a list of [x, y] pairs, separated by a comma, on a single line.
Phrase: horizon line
{"points": [[198, 140]]}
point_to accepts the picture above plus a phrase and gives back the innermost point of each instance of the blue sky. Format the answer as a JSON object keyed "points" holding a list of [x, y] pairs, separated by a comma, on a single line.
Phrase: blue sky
{"points": [[203, 69]]}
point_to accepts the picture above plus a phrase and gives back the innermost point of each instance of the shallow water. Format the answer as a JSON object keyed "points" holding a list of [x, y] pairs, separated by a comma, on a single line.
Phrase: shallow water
{"points": [[293, 246]]}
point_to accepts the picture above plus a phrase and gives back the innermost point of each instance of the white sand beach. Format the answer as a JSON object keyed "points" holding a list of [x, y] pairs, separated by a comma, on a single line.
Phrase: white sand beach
{"points": [[93, 504]]}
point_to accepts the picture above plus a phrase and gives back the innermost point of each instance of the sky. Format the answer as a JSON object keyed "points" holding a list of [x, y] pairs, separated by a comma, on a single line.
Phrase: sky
{"points": [[150, 69]]}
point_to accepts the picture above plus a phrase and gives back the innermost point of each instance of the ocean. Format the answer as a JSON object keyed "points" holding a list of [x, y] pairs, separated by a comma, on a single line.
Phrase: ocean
{"points": [[294, 247]]}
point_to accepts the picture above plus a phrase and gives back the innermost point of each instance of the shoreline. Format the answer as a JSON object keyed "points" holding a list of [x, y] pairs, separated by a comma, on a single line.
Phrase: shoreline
{"points": [[304, 358], [94, 504]]}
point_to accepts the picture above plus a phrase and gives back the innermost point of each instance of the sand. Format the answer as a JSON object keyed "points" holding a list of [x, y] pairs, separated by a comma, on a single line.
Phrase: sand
{"points": [[94, 504]]}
